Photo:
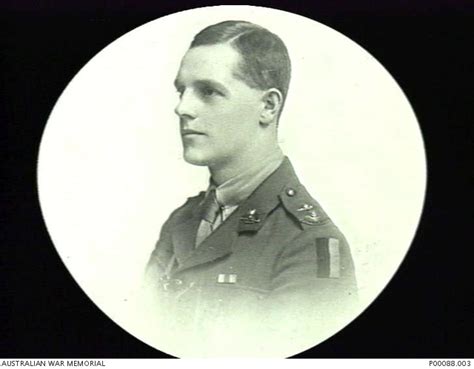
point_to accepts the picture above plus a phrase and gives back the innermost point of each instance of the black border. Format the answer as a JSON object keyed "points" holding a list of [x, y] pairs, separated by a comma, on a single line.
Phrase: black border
{"points": [[424, 312]]}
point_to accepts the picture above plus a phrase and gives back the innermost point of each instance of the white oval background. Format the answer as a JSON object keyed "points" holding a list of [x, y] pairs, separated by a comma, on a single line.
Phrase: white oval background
{"points": [[111, 171]]}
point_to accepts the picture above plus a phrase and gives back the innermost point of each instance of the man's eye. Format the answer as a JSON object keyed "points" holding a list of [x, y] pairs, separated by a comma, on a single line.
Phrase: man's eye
{"points": [[208, 92]]}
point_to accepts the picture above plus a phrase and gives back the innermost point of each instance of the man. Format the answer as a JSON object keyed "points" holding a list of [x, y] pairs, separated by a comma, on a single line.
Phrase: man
{"points": [[254, 255]]}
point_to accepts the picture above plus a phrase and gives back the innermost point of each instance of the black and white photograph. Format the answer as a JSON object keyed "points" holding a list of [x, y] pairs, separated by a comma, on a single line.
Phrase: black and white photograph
{"points": [[254, 174], [233, 181]]}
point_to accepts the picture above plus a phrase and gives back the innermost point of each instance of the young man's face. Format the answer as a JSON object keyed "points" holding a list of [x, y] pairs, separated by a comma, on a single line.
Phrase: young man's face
{"points": [[218, 113]]}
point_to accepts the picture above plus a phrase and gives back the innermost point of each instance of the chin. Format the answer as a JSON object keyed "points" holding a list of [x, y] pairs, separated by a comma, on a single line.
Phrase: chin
{"points": [[196, 158], [209, 158]]}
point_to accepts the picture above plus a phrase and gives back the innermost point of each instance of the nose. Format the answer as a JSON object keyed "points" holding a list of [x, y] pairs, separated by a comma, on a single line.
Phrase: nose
{"points": [[187, 106]]}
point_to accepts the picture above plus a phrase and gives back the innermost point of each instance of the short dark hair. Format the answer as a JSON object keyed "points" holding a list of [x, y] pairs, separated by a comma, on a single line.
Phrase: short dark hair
{"points": [[265, 60]]}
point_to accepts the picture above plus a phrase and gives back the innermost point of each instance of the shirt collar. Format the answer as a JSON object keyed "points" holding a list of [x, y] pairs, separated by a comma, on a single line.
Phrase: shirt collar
{"points": [[235, 190]]}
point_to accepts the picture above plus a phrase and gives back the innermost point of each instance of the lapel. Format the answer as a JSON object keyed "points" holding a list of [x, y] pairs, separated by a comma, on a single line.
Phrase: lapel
{"points": [[249, 217], [183, 238], [217, 245]]}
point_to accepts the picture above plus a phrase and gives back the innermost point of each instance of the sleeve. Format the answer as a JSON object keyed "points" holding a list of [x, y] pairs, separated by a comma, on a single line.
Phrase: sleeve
{"points": [[314, 281], [149, 303], [161, 253]]}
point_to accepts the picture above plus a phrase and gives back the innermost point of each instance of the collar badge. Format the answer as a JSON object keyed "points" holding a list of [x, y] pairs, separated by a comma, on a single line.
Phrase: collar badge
{"points": [[251, 217]]}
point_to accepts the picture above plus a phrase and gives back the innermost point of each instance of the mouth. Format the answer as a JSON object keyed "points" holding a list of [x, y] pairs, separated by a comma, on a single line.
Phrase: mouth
{"points": [[190, 132]]}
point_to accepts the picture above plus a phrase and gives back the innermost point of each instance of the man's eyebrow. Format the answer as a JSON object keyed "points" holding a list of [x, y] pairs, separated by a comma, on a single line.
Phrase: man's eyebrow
{"points": [[206, 82], [212, 83]]}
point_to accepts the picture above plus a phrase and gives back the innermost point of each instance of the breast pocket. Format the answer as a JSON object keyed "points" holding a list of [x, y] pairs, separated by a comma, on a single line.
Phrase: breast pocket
{"points": [[233, 310], [238, 302]]}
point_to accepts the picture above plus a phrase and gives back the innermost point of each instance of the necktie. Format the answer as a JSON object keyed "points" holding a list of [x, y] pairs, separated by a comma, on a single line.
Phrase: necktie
{"points": [[209, 211]]}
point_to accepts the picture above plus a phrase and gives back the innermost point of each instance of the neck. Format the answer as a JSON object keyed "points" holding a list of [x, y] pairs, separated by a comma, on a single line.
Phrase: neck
{"points": [[224, 172]]}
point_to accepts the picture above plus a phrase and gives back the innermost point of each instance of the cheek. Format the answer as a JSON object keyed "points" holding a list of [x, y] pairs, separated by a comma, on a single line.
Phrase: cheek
{"points": [[239, 118], [247, 107], [235, 131]]}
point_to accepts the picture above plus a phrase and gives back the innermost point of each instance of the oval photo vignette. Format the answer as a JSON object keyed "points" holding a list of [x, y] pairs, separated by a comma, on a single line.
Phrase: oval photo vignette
{"points": [[111, 168]]}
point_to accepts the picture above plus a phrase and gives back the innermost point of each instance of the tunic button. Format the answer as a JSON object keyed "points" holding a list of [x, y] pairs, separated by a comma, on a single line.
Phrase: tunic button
{"points": [[290, 192]]}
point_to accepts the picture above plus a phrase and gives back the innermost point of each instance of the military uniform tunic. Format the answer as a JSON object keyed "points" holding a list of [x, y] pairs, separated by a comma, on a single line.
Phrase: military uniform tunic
{"points": [[276, 266]]}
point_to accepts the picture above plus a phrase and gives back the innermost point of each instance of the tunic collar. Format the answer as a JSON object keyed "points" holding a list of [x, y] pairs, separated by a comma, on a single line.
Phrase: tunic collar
{"points": [[282, 186]]}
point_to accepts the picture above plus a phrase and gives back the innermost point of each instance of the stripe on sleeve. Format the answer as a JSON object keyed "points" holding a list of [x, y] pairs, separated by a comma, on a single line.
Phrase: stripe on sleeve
{"points": [[323, 257], [328, 258], [334, 258]]}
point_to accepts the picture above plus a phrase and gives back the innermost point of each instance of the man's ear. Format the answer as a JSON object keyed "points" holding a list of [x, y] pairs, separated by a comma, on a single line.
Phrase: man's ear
{"points": [[272, 100]]}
